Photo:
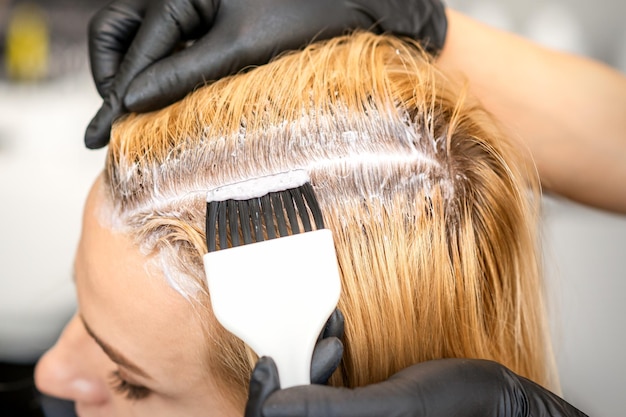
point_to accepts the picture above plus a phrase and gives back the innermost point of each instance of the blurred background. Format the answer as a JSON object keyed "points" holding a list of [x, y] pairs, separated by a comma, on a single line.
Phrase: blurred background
{"points": [[47, 99]]}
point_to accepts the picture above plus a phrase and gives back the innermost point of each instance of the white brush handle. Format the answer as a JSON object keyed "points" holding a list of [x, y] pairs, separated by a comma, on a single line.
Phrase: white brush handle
{"points": [[276, 296]]}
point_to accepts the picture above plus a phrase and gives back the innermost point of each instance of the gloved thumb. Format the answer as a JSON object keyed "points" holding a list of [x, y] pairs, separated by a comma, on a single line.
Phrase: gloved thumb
{"points": [[328, 349], [326, 357], [99, 130]]}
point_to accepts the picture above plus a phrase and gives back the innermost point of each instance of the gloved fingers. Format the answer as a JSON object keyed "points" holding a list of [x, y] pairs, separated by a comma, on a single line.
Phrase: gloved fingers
{"points": [[326, 358], [171, 78], [423, 20], [328, 349], [435, 388], [219, 53], [166, 25], [263, 382], [334, 325], [407, 394], [99, 130], [111, 31], [323, 401], [238, 39], [438, 388]]}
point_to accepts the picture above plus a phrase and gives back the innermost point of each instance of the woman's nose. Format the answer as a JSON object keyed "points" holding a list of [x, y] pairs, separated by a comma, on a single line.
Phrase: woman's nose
{"points": [[70, 369]]}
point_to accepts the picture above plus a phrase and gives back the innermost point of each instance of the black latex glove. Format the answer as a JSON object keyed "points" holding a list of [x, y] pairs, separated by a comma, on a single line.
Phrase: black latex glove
{"points": [[328, 349], [439, 388], [138, 61]]}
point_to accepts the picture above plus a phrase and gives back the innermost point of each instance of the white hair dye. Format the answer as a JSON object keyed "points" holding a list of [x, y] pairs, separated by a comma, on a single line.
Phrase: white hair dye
{"points": [[258, 187], [181, 282], [337, 142]]}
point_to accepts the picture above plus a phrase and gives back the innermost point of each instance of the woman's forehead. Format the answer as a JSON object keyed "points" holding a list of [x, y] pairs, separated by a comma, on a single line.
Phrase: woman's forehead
{"points": [[128, 303]]}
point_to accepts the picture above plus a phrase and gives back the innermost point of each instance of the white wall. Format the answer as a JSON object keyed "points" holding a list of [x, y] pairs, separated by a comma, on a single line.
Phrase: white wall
{"points": [[45, 173], [594, 28], [585, 253]]}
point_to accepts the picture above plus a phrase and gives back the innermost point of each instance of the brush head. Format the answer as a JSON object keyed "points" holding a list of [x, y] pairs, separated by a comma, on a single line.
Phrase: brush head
{"points": [[261, 209]]}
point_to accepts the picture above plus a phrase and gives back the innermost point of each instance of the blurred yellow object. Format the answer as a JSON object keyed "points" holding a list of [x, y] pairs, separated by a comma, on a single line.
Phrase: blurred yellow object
{"points": [[27, 44]]}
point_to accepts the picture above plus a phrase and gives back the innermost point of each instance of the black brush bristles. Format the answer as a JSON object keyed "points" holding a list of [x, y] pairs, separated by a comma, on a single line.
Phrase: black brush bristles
{"points": [[233, 223]]}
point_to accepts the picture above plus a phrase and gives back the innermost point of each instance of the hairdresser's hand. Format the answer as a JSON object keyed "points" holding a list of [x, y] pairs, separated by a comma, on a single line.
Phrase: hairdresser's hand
{"points": [[139, 60], [441, 388]]}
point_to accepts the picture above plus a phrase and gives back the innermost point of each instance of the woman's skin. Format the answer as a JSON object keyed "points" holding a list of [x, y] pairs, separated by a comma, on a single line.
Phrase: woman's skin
{"points": [[568, 110], [132, 312]]}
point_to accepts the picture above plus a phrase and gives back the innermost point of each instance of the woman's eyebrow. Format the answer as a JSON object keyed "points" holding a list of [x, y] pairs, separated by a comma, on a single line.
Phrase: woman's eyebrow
{"points": [[114, 354]]}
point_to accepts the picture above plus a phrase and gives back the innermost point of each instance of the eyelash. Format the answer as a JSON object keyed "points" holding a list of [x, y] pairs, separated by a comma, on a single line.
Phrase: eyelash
{"points": [[130, 391]]}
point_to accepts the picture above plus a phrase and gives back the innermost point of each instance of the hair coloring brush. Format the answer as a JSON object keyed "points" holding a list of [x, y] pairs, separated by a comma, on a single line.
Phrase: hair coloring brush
{"points": [[271, 285]]}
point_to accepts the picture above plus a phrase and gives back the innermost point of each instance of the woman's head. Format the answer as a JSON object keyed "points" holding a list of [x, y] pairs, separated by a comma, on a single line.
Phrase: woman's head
{"points": [[429, 206]]}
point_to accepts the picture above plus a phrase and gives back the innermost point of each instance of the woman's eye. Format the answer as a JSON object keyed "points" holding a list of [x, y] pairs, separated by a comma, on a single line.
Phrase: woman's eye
{"points": [[130, 391]]}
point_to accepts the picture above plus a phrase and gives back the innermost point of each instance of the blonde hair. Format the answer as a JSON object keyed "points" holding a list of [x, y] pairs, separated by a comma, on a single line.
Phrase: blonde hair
{"points": [[433, 212]]}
